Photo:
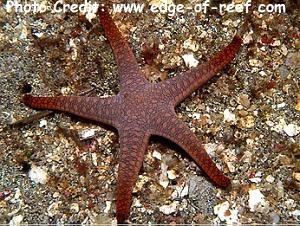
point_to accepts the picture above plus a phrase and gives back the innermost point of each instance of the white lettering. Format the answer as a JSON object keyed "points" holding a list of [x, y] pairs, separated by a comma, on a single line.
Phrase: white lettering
{"points": [[231, 8], [270, 8], [57, 6], [201, 7], [169, 9]]}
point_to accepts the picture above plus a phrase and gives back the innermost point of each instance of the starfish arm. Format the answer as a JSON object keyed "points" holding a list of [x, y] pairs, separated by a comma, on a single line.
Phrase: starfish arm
{"points": [[186, 83], [177, 132], [128, 68], [133, 144], [93, 108]]}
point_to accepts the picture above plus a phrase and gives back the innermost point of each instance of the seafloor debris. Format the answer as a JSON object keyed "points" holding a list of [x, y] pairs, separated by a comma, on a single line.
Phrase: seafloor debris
{"points": [[38, 174]]}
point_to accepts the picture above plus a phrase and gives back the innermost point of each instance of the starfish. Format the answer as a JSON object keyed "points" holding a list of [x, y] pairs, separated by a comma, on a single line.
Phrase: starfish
{"points": [[142, 109]]}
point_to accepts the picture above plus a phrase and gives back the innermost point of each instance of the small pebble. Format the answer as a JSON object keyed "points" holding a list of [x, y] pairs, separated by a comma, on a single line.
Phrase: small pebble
{"points": [[247, 38], [196, 116], [297, 176], [16, 220], [171, 174], [270, 179], [284, 50], [290, 203], [274, 217], [231, 167], [140, 183], [156, 155], [255, 63], [190, 44], [43, 123], [136, 203], [247, 122], [284, 71], [293, 59], [296, 213], [255, 199], [38, 175], [74, 208], [87, 134], [244, 100], [225, 214], [255, 180], [221, 209], [22, 28], [53, 209], [168, 209], [180, 191], [211, 148], [276, 43], [90, 15], [291, 130], [55, 195], [108, 206], [229, 116], [163, 178], [282, 105], [189, 60], [94, 159]]}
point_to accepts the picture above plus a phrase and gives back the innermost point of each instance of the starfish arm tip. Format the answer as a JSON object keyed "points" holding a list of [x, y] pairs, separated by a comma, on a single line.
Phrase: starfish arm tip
{"points": [[237, 40], [223, 181]]}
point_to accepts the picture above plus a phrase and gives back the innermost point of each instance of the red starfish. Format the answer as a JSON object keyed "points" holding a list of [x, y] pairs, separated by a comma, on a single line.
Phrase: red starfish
{"points": [[142, 109]]}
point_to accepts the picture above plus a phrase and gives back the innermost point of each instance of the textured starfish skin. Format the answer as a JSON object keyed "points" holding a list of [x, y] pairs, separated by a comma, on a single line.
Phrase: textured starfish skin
{"points": [[142, 109]]}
